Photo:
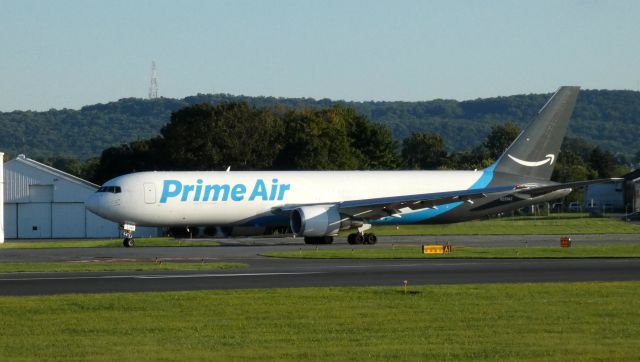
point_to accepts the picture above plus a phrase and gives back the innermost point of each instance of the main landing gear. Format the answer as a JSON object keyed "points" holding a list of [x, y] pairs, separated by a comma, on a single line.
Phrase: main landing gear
{"points": [[360, 238]]}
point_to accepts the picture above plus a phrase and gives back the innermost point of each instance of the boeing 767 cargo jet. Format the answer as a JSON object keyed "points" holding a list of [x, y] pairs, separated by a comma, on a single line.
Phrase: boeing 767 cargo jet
{"points": [[318, 204]]}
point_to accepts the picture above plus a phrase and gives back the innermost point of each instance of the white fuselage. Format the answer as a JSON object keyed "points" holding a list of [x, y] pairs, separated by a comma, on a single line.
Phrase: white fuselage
{"points": [[236, 197]]}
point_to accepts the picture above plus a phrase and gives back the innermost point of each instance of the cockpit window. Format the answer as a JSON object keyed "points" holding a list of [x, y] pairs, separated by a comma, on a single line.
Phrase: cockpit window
{"points": [[111, 189]]}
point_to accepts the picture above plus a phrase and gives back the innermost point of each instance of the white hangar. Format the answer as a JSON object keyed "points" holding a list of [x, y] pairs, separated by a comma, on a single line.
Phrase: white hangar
{"points": [[41, 202]]}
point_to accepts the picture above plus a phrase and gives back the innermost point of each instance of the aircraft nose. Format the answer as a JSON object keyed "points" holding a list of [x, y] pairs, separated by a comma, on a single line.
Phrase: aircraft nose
{"points": [[93, 203]]}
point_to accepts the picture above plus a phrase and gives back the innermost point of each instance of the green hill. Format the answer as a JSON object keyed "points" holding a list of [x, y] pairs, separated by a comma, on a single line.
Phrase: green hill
{"points": [[607, 118]]}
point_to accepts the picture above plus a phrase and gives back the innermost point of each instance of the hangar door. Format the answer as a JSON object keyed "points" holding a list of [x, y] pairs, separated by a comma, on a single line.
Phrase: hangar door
{"points": [[98, 227], [34, 220], [68, 220], [10, 221]]}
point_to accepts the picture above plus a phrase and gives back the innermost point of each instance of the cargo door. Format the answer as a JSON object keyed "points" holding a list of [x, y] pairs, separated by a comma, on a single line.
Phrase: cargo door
{"points": [[149, 193]]}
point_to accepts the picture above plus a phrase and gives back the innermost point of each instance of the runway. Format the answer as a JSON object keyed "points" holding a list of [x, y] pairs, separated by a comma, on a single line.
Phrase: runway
{"points": [[286, 273], [264, 272]]}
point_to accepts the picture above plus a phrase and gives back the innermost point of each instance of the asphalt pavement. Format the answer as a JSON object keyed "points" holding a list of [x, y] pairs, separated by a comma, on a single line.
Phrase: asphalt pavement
{"points": [[265, 272]]}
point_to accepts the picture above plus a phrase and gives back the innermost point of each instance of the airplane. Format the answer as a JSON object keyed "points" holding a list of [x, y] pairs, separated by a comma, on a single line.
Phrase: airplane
{"points": [[319, 204]]}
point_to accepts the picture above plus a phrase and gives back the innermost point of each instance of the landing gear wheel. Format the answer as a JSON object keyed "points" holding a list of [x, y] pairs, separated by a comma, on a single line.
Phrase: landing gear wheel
{"points": [[351, 239], [370, 239], [358, 239], [128, 242]]}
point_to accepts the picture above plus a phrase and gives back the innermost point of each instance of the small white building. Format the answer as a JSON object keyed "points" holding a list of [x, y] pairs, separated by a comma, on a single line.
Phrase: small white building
{"points": [[619, 196], [41, 202], [605, 197]]}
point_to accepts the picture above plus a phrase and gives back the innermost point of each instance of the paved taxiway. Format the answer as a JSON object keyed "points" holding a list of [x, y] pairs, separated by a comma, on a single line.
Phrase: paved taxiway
{"points": [[249, 248], [270, 272]]}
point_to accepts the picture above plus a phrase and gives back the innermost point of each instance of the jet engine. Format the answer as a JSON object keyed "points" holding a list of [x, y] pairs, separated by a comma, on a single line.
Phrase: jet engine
{"points": [[318, 220]]}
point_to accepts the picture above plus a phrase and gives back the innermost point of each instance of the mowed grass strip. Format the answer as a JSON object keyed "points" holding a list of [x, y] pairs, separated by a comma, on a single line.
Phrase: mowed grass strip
{"points": [[556, 224], [108, 243], [554, 322], [115, 266], [415, 252]]}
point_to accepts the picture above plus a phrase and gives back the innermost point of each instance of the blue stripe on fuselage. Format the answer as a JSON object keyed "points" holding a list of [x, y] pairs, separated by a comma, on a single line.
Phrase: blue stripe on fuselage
{"points": [[425, 214]]}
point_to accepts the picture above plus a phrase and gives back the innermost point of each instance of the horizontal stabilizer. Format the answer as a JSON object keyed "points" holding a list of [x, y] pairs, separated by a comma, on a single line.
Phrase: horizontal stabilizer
{"points": [[534, 191]]}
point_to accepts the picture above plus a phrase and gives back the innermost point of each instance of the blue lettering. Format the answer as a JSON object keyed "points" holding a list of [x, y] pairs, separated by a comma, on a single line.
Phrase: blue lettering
{"points": [[185, 194], [274, 189], [216, 192], [201, 192], [198, 191], [237, 194], [259, 190], [170, 188], [283, 188]]}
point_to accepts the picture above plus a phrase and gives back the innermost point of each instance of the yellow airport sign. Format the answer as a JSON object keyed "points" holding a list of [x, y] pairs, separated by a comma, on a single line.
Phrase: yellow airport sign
{"points": [[436, 249]]}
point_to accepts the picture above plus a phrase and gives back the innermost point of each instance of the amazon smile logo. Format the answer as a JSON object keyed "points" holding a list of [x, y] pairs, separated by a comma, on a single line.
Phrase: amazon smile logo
{"points": [[549, 159]]}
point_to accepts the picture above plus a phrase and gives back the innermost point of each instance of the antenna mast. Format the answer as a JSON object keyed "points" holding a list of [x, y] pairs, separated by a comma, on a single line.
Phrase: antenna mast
{"points": [[153, 87]]}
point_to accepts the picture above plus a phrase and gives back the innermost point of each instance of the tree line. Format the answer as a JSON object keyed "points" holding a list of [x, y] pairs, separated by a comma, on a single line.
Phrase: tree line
{"points": [[609, 118], [246, 137]]}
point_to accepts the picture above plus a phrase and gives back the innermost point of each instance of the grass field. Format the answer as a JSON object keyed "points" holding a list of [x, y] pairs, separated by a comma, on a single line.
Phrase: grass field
{"points": [[114, 266], [555, 322], [108, 243], [415, 252], [555, 224]]}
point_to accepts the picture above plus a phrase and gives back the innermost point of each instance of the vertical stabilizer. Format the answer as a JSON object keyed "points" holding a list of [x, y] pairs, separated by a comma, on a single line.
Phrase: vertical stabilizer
{"points": [[535, 151]]}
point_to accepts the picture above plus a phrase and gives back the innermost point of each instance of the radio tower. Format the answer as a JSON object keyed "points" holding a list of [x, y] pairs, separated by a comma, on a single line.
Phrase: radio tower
{"points": [[153, 87]]}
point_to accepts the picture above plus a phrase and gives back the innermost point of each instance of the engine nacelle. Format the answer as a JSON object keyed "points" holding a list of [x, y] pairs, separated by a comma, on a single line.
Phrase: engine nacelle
{"points": [[318, 220]]}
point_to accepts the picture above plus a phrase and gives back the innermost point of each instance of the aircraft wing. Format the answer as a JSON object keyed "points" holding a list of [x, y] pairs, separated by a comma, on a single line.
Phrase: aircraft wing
{"points": [[391, 206], [388, 206], [375, 208]]}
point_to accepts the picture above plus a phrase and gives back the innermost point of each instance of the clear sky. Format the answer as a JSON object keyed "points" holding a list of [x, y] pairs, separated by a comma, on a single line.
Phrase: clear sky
{"points": [[67, 54]]}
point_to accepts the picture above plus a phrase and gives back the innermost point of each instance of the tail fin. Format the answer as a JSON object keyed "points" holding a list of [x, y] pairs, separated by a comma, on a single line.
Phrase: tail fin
{"points": [[536, 149]]}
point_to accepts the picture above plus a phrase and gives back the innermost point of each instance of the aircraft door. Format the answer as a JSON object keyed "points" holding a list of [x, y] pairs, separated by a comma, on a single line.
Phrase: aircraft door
{"points": [[149, 193]]}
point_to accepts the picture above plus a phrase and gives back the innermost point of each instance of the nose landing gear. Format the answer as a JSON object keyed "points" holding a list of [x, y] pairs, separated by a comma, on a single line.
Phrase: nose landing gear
{"points": [[128, 242], [127, 232]]}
